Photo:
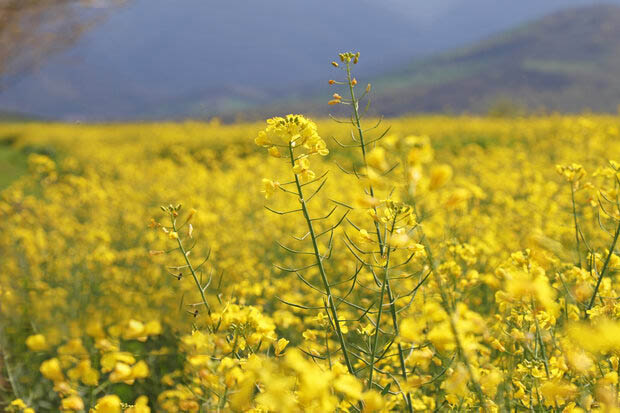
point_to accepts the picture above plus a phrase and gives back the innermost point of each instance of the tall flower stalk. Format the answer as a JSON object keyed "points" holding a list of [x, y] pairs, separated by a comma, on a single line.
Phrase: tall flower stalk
{"points": [[374, 167], [299, 137]]}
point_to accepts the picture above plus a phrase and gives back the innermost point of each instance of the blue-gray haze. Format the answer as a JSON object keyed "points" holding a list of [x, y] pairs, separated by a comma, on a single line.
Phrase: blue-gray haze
{"points": [[166, 58]]}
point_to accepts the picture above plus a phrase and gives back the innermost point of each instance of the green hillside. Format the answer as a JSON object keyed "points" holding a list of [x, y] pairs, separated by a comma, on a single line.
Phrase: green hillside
{"points": [[568, 61]]}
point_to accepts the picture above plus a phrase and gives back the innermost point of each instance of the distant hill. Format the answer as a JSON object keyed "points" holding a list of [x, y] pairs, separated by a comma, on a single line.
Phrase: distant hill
{"points": [[568, 61], [197, 58]]}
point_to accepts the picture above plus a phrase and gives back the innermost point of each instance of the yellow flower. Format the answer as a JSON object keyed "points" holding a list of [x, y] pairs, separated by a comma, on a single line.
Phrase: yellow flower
{"points": [[421, 358], [579, 361], [373, 402], [18, 406], [134, 330], [140, 406], [269, 187], [18, 403], [399, 239], [301, 168], [273, 151], [442, 338], [36, 342], [557, 392], [84, 372], [364, 236], [350, 386], [525, 285], [140, 370], [72, 403], [411, 329], [109, 360], [121, 372], [280, 346], [262, 139], [457, 199], [376, 159], [109, 404], [73, 347], [456, 383], [421, 151], [152, 328], [41, 164], [572, 173], [51, 370], [440, 174], [603, 336]]}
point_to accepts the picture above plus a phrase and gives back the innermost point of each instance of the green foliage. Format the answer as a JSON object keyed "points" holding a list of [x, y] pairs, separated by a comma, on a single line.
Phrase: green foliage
{"points": [[12, 164]]}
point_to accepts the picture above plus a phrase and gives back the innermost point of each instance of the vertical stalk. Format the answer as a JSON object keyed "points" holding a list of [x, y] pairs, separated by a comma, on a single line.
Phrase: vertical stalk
{"points": [[191, 267], [224, 398], [604, 269], [572, 193], [360, 133], [375, 340], [319, 263], [381, 241], [4, 357]]}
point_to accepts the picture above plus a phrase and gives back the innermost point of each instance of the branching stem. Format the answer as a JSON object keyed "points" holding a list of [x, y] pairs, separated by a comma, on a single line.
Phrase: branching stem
{"points": [[604, 269], [375, 340], [319, 262], [191, 267], [380, 239]]}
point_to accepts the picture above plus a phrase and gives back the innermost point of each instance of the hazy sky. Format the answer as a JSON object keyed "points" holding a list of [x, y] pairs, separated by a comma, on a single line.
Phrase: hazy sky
{"points": [[152, 52]]}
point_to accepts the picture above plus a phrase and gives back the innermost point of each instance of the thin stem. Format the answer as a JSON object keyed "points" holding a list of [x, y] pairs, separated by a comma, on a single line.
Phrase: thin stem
{"points": [[572, 193], [319, 262], [386, 269], [191, 268], [362, 145], [380, 239], [602, 274], [224, 398]]}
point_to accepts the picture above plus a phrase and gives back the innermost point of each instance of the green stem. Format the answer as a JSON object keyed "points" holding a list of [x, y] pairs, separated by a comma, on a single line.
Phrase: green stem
{"points": [[191, 268], [572, 192], [224, 398], [375, 339], [360, 132], [5, 357], [602, 274], [319, 262]]}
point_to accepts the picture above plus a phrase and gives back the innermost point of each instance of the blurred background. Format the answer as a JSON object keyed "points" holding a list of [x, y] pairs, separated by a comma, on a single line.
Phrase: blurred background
{"points": [[119, 60]]}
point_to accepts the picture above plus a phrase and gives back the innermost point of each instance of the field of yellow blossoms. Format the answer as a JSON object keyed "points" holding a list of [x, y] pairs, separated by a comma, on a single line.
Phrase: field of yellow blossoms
{"points": [[444, 264]]}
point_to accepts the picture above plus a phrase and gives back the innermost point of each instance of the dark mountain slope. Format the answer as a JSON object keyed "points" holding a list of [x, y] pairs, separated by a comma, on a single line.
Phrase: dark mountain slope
{"points": [[568, 61], [198, 58]]}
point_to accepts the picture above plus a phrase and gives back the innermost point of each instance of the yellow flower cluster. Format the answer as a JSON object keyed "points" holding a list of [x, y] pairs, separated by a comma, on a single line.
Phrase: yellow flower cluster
{"points": [[289, 134], [502, 273]]}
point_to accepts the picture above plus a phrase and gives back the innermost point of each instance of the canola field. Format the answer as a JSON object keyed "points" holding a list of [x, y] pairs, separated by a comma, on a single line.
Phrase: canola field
{"points": [[455, 264]]}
